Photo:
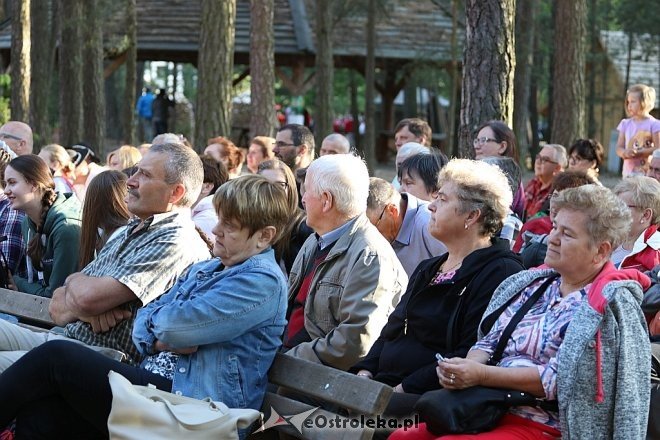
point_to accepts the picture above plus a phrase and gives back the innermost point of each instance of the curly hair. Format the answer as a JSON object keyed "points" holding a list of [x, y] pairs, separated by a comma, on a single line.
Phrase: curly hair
{"points": [[480, 186], [608, 218]]}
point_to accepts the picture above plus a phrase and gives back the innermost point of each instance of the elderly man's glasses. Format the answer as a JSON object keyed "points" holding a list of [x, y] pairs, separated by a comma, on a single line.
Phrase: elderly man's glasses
{"points": [[10, 136], [545, 159], [483, 140]]}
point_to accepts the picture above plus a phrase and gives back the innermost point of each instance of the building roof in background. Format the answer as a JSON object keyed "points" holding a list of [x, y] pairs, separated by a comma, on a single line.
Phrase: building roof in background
{"points": [[168, 30], [644, 60]]}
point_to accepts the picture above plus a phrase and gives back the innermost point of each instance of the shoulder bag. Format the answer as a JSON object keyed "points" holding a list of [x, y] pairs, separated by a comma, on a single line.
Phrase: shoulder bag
{"points": [[479, 409], [146, 413]]}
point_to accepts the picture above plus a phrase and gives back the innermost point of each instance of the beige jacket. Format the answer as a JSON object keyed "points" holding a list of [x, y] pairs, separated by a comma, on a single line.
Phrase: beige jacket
{"points": [[351, 296]]}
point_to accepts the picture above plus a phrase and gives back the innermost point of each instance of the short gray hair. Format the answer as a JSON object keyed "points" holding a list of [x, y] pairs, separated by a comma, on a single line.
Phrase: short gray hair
{"points": [[183, 166], [561, 157], [346, 177], [510, 169], [481, 186], [412, 148], [645, 193], [340, 139], [608, 217], [381, 193]]}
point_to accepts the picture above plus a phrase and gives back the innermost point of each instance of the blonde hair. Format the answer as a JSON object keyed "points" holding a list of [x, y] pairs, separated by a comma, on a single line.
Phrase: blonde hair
{"points": [[482, 186], [254, 203], [608, 218], [59, 154], [646, 96], [644, 192], [128, 156]]}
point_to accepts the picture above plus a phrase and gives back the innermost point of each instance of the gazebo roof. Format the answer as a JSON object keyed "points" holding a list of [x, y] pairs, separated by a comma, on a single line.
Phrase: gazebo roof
{"points": [[168, 30]]}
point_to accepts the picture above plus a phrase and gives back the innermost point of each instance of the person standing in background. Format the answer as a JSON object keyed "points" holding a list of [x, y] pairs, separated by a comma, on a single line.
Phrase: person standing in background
{"points": [[145, 112]]}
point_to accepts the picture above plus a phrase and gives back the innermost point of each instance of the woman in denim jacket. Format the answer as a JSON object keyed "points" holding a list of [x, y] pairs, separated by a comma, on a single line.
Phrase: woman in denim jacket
{"points": [[214, 334]]}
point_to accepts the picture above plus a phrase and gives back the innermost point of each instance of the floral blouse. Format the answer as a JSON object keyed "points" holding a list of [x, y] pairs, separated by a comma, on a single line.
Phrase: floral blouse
{"points": [[536, 341]]}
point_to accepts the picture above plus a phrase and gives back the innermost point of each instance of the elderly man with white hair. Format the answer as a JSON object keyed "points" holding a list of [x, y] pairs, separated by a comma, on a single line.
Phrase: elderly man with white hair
{"points": [[346, 279], [408, 149], [335, 143]]}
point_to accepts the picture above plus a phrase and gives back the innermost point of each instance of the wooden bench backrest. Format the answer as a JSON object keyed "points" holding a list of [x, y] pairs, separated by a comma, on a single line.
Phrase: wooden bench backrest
{"points": [[30, 309], [358, 394]]}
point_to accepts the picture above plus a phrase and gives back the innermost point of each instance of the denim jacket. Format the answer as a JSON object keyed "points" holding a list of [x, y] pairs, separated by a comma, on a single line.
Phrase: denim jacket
{"points": [[235, 316]]}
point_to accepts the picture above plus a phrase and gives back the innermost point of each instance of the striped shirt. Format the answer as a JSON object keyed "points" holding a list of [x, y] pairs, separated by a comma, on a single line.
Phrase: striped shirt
{"points": [[148, 261]]}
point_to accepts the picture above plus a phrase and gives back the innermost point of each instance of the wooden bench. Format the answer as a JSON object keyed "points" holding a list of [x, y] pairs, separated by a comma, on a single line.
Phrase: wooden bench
{"points": [[31, 310], [359, 395], [32, 313]]}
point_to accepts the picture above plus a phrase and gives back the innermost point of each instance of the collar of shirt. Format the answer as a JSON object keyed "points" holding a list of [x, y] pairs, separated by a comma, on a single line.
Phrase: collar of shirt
{"points": [[175, 215], [328, 238]]}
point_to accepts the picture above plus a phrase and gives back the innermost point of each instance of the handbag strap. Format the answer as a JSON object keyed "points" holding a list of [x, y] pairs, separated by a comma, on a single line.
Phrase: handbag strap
{"points": [[513, 323]]}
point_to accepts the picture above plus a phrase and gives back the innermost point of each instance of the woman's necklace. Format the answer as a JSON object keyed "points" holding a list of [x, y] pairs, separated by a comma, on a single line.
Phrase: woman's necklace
{"points": [[449, 269]]}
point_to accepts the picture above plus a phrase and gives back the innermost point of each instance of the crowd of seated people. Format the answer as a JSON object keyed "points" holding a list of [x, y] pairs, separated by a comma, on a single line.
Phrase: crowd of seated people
{"points": [[176, 258]]}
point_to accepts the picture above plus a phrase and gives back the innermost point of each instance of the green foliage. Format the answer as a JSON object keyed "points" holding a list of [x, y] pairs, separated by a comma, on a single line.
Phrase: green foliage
{"points": [[637, 16], [5, 91]]}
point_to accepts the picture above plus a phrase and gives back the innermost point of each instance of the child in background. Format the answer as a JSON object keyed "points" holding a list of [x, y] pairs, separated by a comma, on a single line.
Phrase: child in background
{"points": [[639, 135]]}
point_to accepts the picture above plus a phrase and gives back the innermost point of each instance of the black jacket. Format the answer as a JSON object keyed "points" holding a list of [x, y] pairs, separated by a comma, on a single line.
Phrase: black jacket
{"points": [[419, 326]]}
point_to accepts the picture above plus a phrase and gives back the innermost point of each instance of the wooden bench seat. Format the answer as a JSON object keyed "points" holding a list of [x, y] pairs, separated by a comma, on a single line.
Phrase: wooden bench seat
{"points": [[31, 310], [358, 395]]}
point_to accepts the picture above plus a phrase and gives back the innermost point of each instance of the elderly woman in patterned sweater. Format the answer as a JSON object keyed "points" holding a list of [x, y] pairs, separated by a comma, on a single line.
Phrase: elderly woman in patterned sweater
{"points": [[583, 343]]}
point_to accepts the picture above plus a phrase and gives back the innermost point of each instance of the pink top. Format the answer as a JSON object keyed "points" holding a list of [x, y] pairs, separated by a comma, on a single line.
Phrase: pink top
{"points": [[637, 134]]}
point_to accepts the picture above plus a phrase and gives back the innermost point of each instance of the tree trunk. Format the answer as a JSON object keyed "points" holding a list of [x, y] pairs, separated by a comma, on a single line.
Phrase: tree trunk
{"points": [[593, 54], [370, 89], [128, 107], [93, 87], [324, 70], [568, 89], [70, 61], [452, 144], [262, 69], [355, 111], [489, 61], [523, 74], [43, 60], [215, 63], [20, 60]]}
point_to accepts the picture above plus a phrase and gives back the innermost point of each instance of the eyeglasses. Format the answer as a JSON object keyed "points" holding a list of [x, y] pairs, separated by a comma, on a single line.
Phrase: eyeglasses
{"points": [[380, 217], [283, 145], [10, 136], [575, 159], [545, 159], [483, 140]]}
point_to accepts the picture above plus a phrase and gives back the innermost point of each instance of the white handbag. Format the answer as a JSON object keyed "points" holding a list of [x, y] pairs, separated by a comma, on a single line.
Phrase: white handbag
{"points": [[145, 413]]}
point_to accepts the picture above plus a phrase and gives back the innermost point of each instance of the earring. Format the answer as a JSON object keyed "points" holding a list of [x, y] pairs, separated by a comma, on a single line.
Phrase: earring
{"points": [[466, 226]]}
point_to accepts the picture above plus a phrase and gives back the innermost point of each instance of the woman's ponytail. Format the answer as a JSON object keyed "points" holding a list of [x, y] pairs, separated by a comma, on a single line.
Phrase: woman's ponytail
{"points": [[35, 248]]}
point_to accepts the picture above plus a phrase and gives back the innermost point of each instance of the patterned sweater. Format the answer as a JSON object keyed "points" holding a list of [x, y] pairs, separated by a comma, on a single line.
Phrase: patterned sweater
{"points": [[626, 361]]}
